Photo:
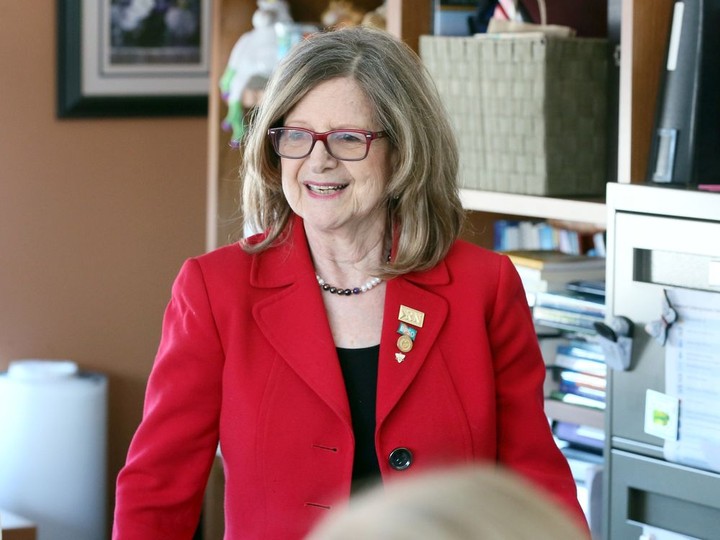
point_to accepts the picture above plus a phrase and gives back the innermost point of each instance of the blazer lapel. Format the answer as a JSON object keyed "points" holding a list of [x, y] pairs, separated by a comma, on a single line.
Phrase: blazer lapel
{"points": [[396, 373], [292, 318]]}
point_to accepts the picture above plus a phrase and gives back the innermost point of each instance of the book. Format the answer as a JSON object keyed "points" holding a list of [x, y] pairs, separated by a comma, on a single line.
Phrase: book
{"points": [[586, 438], [576, 379], [565, 381], [533, 235], [589, 393], [506, 234], [574, 399], [569, 387], [581, 356], [561, 281], [587, 286], [543, 331], [581, 365], [548, 270], [599, 247], [581, 348], [554, 261], [566, 320], [575, 302]]}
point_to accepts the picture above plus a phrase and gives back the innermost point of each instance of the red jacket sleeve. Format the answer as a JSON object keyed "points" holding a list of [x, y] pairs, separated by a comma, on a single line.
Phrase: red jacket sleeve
{"points": [[160, 489]]}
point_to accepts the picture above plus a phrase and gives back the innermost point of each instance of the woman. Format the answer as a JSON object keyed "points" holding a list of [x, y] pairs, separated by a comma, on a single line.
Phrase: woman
{"points": [[468, 502], [355, 339]]}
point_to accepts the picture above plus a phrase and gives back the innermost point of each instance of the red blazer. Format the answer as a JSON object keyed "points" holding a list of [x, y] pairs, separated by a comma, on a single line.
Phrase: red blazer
{"points": [[247, 360]]}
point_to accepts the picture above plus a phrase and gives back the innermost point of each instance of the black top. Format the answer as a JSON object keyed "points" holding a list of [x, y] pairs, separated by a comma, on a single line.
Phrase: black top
{"points": [[360, 369]]}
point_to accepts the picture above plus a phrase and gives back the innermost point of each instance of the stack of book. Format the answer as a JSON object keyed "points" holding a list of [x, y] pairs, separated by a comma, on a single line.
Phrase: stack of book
{"points": [[580, 356], [582, 438], [533, 235], [586, 467], [569, 310], [547, 271], [580, 389], [578, 374]]}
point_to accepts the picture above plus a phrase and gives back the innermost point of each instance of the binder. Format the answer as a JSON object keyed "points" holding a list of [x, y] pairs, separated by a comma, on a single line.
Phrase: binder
{"points": [[686, 134]]}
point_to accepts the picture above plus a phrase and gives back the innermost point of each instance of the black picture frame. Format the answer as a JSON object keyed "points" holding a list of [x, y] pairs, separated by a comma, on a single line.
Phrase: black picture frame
{"points": [[163, 93]]}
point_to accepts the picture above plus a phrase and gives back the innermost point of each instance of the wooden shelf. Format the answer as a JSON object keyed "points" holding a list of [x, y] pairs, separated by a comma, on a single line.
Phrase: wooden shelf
{"points": [[581, 211], [644, 31]]}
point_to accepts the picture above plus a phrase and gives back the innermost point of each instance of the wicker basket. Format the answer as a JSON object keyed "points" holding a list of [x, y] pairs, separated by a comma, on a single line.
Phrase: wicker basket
{"points": [[529, 110]]}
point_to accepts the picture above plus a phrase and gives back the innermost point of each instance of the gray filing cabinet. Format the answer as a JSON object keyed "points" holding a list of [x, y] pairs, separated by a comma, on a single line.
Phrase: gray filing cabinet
{"points": [[658, 238]]}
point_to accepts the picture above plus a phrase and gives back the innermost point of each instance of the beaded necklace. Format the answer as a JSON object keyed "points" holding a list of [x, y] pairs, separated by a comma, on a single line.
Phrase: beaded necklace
{"points": [[347, 292]]}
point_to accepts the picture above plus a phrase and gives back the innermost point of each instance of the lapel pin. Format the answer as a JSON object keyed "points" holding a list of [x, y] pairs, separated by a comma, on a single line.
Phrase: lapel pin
{"points": [[407, 316], [406, 330], [404, 343], [411, 316]]}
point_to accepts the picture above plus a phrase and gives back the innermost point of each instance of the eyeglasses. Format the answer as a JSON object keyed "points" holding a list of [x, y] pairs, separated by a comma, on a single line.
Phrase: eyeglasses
{"points": [[342, 144]]}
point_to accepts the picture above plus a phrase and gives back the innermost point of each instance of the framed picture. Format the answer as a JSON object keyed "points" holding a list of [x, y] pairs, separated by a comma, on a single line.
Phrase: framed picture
{"points": [[133, 57]]}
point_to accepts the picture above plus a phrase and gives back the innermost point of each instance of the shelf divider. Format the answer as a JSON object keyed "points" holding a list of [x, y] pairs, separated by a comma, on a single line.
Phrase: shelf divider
{"points": [[582, 211]]}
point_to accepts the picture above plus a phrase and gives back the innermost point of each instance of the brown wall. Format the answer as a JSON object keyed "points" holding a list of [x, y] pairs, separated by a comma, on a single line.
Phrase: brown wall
{"points": [[96, 217]]}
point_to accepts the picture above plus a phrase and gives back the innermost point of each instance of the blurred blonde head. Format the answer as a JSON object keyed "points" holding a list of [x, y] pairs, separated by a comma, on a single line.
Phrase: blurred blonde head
{"points": [[465, 503]]}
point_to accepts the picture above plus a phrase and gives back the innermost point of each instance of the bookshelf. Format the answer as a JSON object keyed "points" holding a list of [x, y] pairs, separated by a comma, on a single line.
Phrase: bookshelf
{"points": [[643, 28]]}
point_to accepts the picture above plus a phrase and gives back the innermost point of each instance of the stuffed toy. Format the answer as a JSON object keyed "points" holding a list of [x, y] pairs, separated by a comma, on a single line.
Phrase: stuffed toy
{"points": [[376, 18], [340, 13], [252, 60]]}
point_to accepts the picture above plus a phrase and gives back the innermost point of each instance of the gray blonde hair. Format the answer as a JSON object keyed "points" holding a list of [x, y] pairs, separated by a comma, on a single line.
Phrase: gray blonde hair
{"points": [[469, 502], [425, 214]]}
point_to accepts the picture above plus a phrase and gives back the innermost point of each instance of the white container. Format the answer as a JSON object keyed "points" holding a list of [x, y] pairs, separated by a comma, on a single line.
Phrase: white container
{"points": [[53, 448]]}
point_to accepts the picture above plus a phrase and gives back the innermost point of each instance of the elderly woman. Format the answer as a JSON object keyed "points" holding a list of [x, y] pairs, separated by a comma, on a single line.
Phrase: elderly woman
{"points": [[355, 339]]}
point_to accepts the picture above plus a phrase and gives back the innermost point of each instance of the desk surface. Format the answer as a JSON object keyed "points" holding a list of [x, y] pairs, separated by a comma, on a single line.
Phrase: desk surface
{"points": [[15, 527]]}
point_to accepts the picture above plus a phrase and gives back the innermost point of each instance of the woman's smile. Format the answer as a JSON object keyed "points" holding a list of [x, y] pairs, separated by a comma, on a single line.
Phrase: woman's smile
{"points": [[324, 190]]}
